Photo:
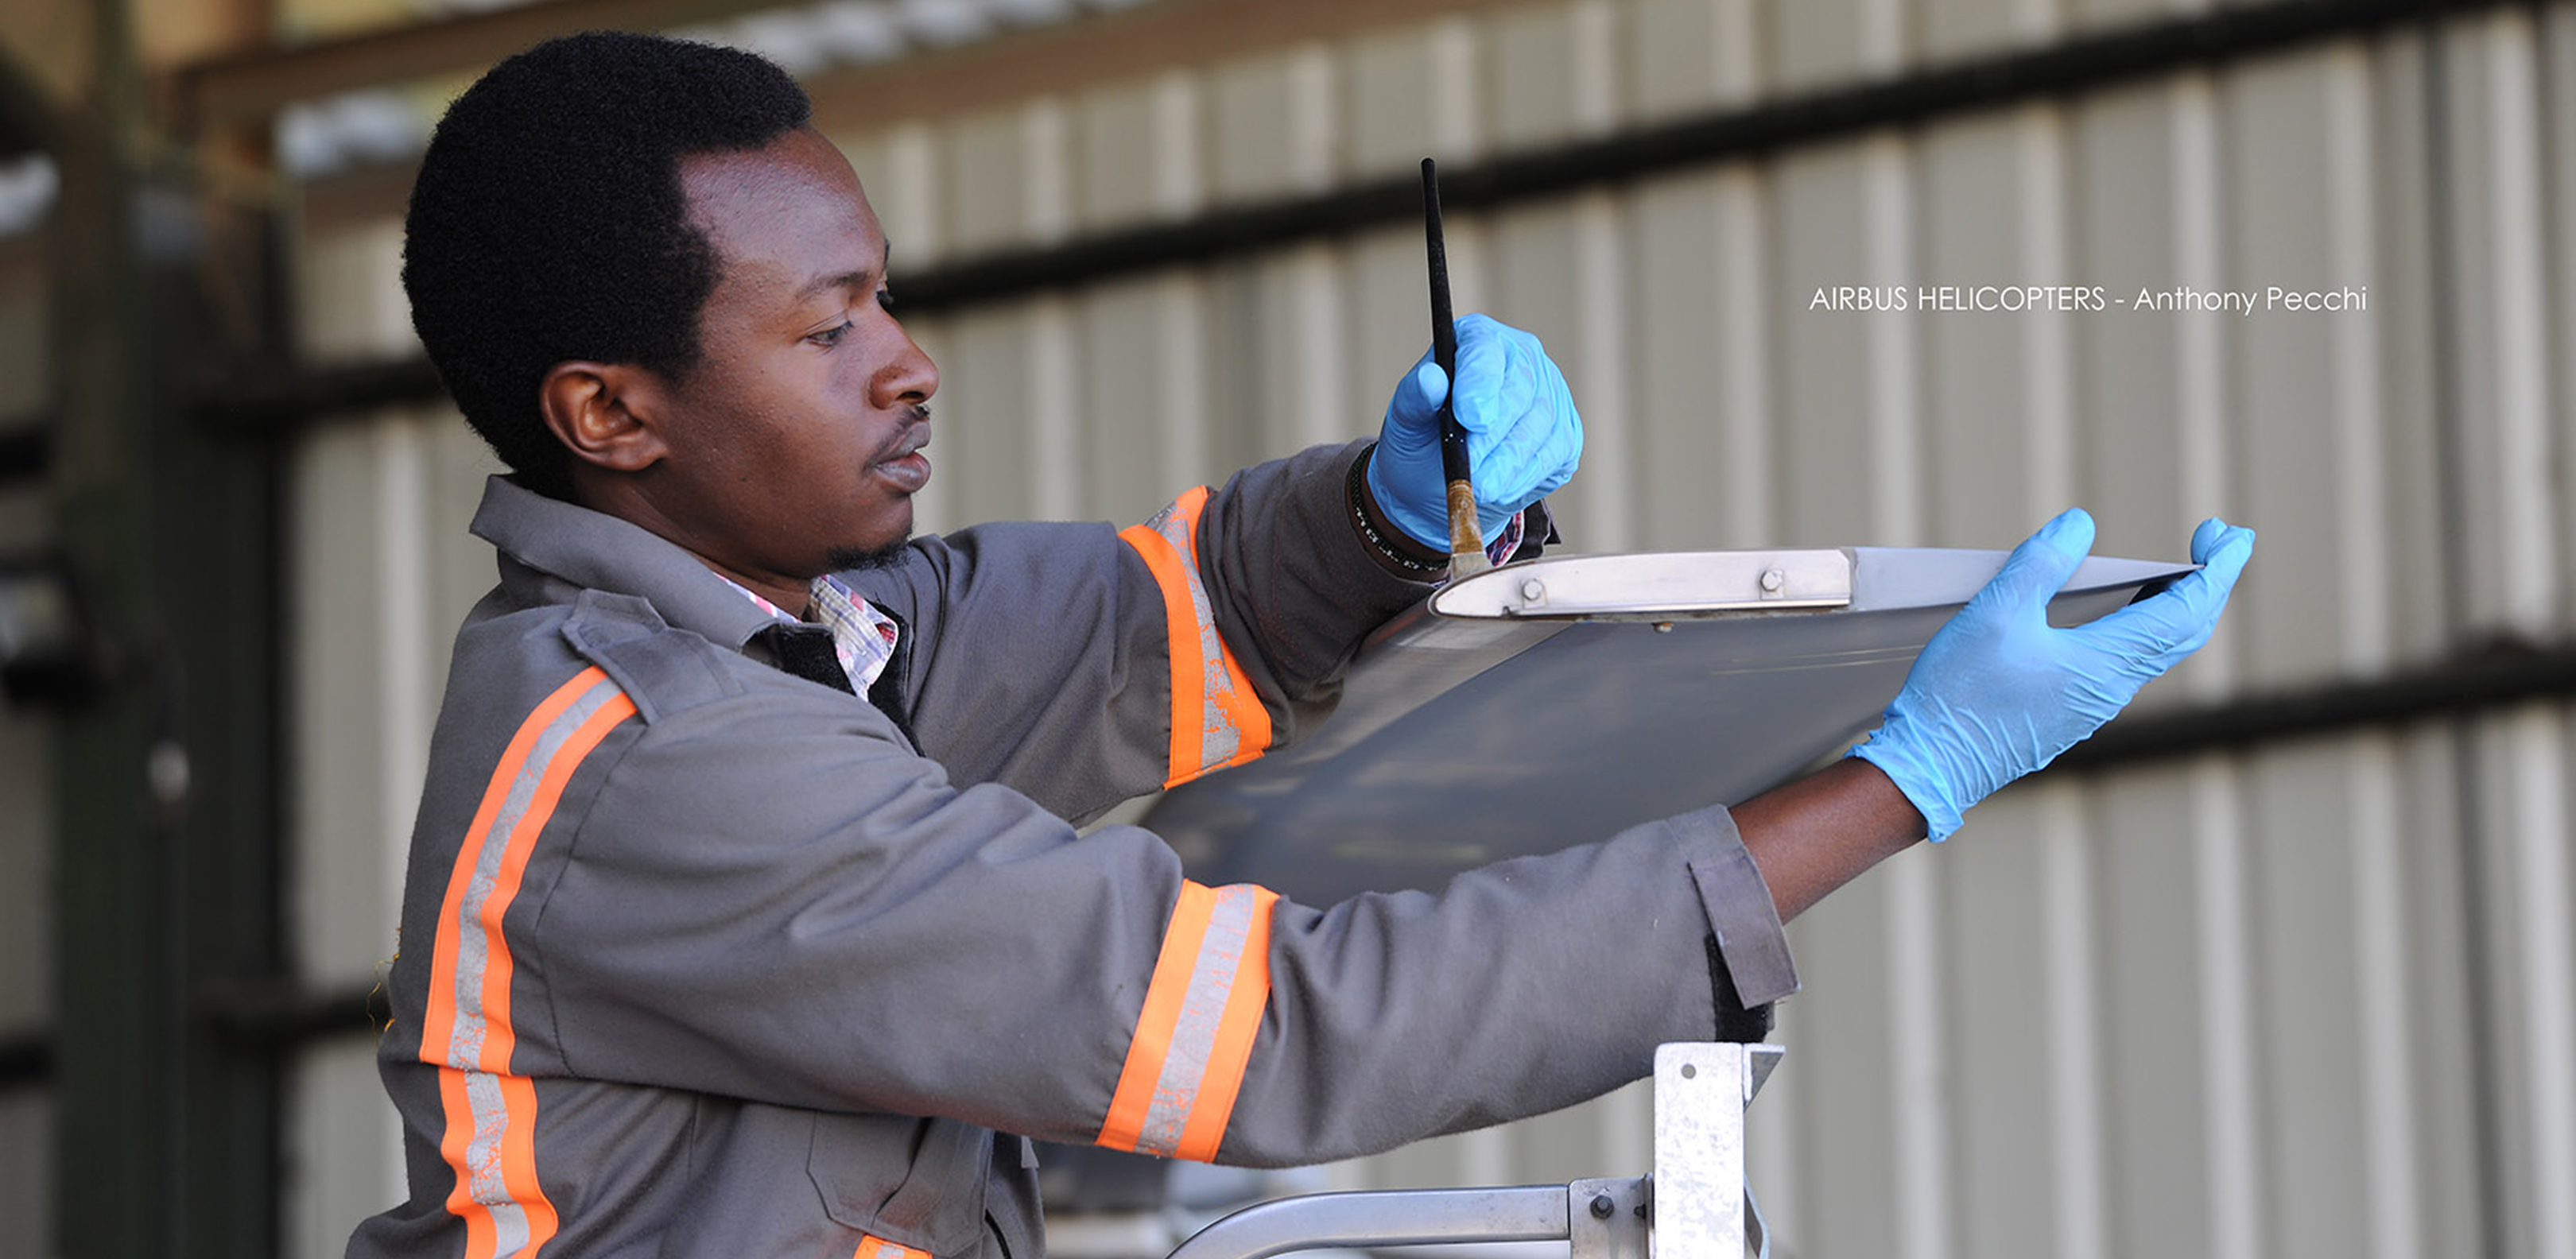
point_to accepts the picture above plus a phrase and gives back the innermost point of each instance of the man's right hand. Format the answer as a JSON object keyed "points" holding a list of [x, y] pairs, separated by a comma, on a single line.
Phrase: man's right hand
{"points": [[1999, 692], [1524, 437]]}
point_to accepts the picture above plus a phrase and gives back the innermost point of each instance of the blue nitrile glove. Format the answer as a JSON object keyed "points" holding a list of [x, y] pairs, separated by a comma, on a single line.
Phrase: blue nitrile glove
{"points": [[1999, 692], [1523, 437]]}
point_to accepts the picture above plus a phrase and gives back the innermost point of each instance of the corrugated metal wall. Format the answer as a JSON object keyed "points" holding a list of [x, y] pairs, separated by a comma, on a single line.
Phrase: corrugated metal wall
{"points": [[2317, 1000]]}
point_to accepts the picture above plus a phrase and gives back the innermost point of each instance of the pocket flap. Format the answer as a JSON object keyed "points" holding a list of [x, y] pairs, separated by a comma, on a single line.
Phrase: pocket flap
{"points": [[918, 1183]]}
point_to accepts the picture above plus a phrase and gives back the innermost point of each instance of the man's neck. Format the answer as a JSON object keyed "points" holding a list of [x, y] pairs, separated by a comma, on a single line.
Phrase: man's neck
{"points": [[794, 598], [613, 498]]}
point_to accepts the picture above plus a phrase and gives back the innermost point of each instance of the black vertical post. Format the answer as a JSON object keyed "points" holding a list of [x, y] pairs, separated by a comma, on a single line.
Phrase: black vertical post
{"points": [[219, 521], [166, 1109], [114, 999]]}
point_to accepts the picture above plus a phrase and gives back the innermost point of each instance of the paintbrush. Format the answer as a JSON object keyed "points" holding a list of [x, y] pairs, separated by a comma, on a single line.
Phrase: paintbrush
{"points": [[1466, 539]]}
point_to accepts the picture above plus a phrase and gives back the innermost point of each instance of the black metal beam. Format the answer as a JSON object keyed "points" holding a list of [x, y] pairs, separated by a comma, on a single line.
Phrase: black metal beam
{"points": [[264, 403], [26, 1061], [276, 1015], [26, 450], [2080, 64], [2495, 677], [26, 117]]}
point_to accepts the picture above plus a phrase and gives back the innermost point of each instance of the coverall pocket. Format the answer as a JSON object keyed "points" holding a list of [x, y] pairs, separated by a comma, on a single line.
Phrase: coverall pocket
{"points": [[915, 1182]]}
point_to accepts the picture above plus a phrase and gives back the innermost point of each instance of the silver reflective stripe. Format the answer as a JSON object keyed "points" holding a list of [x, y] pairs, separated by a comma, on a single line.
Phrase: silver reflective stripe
{"points": [[1218, 739], [1212, 974], [465, 1042], [483, 1162], [491, 1114]]}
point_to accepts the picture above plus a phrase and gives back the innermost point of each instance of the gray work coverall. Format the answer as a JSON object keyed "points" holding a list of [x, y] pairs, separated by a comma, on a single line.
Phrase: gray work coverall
{"points": [[702, 957]]}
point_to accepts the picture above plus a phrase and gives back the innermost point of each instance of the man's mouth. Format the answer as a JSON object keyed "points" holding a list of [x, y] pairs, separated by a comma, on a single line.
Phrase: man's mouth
{"points": [[906, 468]]}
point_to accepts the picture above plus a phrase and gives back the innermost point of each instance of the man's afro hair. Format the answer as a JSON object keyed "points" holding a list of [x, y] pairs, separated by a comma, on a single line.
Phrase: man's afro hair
{"points": [[549, 224]]}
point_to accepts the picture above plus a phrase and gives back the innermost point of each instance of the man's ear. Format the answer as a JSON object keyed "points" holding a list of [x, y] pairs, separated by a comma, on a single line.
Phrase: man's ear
{"points": [[607, 414]]}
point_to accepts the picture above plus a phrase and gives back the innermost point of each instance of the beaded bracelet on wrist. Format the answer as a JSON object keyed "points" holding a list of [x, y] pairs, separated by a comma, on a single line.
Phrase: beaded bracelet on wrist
{"points": [[1357, 493]]}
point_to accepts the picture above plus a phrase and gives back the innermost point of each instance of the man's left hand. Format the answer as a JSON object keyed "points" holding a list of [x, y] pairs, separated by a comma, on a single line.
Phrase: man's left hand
{"points": [[1999, 692], [1523, 436]]}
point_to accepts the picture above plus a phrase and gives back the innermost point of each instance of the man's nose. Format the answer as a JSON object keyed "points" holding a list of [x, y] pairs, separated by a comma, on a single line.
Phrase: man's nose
{"points": [[909, 376]]}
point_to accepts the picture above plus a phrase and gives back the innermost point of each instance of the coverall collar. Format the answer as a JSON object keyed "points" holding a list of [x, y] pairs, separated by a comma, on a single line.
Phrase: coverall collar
{"points": [[598, 551]]}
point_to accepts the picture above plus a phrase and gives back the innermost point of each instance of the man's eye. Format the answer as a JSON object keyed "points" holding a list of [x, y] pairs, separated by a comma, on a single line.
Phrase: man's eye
{"points": [[885, 300], [831, 336]]}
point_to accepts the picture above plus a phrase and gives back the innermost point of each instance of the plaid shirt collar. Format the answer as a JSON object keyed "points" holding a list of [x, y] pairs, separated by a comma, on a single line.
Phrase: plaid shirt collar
{"points": [[862, 637]]}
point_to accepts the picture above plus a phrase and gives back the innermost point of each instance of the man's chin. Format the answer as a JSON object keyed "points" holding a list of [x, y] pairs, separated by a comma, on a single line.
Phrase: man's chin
{"points": [[846, 558]]}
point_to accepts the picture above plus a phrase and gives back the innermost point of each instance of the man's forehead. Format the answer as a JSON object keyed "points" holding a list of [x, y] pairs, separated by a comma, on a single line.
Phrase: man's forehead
{"points": [[792, 208]]}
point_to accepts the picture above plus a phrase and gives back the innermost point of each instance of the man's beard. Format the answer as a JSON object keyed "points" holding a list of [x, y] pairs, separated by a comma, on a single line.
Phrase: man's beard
{"points": [[845, 558]]}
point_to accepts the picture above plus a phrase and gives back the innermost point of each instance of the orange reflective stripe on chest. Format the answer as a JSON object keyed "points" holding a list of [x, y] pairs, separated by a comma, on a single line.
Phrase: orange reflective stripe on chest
{"points": [[1194, 1038], [872, 1246], [1217, 718], [490, 1137]]}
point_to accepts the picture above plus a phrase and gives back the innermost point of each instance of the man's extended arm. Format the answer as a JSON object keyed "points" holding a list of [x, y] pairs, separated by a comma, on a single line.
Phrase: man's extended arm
{"points": [[1997, 694]]}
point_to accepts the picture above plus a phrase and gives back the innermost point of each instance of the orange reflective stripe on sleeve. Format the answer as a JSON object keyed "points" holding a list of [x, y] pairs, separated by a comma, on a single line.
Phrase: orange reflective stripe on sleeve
{"points": [[1187, 678], [1238, 1022], [872, 1246], [1194, 1039], [1147, 1049], [490, 1137], [1217, 718]]}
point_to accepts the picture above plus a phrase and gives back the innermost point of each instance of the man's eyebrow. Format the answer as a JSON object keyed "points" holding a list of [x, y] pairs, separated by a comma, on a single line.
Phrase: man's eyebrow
{"points": [[845, 280], [850, 279]]}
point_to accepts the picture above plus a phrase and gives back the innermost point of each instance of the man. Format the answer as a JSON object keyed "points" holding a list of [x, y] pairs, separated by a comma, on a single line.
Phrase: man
{"points": [[743, 914]]}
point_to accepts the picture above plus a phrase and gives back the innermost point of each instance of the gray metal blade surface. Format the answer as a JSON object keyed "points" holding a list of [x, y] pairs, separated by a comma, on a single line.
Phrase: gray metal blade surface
{"points": [[1467, 740]]}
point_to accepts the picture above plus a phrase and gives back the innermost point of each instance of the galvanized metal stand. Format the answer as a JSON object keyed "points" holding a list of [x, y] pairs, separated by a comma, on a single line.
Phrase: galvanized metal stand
{"points": [[1694, 1205]]}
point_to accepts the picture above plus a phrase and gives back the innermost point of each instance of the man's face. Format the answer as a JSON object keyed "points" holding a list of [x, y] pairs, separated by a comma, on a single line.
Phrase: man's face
{"points": [[793, 444]]}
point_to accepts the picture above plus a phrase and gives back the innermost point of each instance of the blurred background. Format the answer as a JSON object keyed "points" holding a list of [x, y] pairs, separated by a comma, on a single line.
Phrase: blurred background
{"points": [[2281, 965]]}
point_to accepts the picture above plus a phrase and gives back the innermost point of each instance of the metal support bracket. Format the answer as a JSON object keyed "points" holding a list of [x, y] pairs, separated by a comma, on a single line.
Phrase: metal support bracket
{"points": [[1607, 1218], [1701, 1207], [1705, 1211]]}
